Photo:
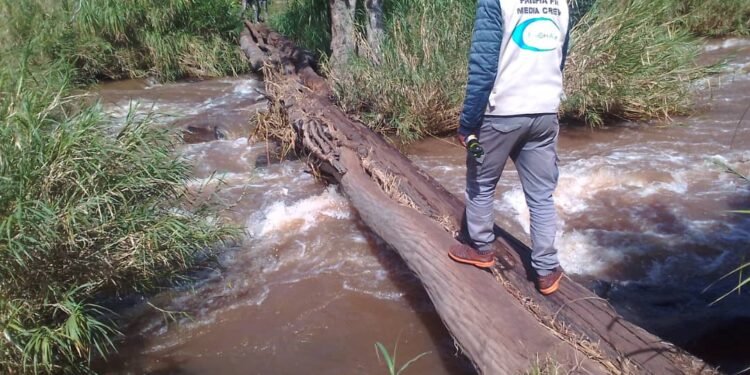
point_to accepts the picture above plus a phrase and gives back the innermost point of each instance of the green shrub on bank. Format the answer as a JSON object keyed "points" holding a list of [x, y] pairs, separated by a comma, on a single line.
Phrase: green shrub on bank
{"points": [[89, 210], [578, 9], [714, 18], [115, 39], [629, 59], [418, 86], [307, 23], [83, 213]]}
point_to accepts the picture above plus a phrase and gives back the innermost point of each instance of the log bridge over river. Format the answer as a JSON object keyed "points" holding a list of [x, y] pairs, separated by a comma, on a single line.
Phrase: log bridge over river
{"points": [[497, 318]]}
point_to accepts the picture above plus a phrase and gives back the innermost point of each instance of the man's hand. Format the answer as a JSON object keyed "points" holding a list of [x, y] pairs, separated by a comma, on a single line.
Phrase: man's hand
{"points": [[461, 140]]}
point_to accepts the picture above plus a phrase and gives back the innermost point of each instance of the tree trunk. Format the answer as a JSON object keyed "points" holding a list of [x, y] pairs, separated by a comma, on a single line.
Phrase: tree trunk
{"points": [[499, 320], [343, 41], [375, 27]]}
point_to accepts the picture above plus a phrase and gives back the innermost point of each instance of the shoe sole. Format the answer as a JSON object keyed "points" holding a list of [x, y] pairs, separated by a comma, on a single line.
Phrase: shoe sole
{"points": [[552, 288], [476, 263]]}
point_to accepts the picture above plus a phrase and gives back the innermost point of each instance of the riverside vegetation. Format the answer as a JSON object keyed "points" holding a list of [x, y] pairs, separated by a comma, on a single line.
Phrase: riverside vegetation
{"points": [[741, 271], [630, 59], [90, 209]]}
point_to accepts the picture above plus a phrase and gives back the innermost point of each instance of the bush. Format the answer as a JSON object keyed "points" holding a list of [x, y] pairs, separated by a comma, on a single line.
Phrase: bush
{"points": [[82, 214], [630, 59], [714, 18], [86, 211], [307, 23], [112, 39], [418, 86]]}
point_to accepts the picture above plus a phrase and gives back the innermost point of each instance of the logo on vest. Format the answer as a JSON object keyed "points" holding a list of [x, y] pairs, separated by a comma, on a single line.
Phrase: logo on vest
{"points": [[537, 34]]}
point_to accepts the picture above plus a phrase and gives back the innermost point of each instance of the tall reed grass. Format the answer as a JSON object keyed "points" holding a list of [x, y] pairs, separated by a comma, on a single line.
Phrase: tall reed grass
{"points": [[111, 39], [85, 213], [714, 18], [417, 87], [630, 59], [307, 23]]}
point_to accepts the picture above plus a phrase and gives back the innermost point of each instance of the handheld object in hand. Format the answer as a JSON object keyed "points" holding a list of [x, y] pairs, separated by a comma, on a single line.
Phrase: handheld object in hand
{"points": [[474, 148]]}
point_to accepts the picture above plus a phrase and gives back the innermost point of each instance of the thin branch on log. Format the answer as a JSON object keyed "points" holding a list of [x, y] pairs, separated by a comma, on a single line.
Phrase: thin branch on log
{"points": [[498, 319]]}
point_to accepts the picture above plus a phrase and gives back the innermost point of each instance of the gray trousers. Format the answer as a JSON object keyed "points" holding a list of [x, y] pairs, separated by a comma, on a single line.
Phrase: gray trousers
{"points": [[531, 141]]}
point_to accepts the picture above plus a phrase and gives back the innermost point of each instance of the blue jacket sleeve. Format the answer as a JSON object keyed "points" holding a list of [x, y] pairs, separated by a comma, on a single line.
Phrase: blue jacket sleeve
{"points": [[483, 60]]}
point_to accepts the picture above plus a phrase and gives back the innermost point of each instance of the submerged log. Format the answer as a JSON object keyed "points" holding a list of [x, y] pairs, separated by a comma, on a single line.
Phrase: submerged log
{"points": [[497, 318]]}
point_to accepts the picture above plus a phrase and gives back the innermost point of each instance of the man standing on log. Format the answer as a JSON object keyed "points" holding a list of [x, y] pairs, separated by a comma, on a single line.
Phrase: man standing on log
{"points": [[517, 56]]}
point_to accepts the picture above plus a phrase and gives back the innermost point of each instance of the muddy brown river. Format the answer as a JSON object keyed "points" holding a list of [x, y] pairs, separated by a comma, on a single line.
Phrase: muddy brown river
{"points": [[645, 222]]}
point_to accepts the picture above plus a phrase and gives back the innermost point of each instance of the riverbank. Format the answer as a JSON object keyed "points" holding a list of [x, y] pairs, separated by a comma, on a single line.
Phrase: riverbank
{"points": [[417, 87], [86, 212], [88, 209]]}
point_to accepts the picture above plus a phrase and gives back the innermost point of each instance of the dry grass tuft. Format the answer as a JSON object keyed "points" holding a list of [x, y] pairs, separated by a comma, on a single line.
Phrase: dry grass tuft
{"points": [[273, 125]]}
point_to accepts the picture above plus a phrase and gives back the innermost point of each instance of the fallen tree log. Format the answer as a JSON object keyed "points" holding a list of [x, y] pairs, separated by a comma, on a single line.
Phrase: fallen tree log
{"points": [[498, 319]]}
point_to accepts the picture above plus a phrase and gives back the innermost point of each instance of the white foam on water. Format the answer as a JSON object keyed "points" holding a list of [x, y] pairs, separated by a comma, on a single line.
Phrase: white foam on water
{"points": [[515, 200], [358, 238], [726, 43], [348, 257], [166, 110], [323, 255], [246, 87], [393, 295], [139, 110], [678, 185], [300, 216], [214, 102], [580, 186], [582, 180], [717, 159], [230, 179], [579, 253], [576, 189]]}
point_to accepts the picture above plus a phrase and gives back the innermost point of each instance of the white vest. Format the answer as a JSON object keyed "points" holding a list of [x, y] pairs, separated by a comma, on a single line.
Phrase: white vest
{"points": [[529, 79]]}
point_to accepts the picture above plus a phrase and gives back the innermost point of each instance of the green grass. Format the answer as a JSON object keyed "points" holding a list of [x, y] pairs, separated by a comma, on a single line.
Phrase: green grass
{"points": [[390, 359], [89, 209], [714, 18], [631, 60], [83, 213], [307, 23], [111, 39], [418, 86], [741, 271]]}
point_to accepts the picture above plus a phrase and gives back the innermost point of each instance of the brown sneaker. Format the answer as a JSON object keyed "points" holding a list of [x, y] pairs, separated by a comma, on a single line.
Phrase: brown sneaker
{"points": [[548, 284], [467, 254]]}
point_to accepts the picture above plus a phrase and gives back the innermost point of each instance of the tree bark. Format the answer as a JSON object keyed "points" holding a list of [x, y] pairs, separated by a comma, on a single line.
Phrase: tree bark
{"points": [[343, 42], [375, 28], [499, 320]]}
